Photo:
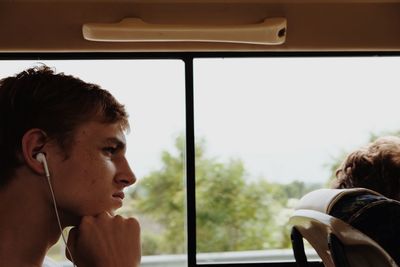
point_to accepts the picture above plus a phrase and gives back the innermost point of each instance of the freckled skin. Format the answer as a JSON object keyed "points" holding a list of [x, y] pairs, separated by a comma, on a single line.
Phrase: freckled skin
{"points": [[86, 181]]}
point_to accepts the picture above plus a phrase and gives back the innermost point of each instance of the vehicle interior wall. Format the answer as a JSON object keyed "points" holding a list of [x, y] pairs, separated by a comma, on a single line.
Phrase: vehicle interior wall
{"points": [[38, 27], [56, 26]]}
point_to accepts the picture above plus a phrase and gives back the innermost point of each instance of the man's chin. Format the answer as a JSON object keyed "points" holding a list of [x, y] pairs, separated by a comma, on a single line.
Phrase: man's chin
{"points": [[111, 212], [77, 219]]}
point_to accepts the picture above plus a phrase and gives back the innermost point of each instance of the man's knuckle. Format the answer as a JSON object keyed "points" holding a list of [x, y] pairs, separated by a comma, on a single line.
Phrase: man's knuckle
{"points": [[118, 218], [134, 223]]}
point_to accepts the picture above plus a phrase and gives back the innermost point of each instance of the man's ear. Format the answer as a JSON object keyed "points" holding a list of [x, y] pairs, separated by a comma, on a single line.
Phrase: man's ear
{"points": [[33, 142]]}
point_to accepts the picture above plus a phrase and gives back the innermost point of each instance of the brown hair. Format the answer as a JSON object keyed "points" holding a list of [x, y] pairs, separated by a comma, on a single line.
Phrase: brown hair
{"points": [[55, 103], [376, 167]]}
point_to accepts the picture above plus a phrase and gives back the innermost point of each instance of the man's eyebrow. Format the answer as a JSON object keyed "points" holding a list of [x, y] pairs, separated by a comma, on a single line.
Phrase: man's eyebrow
{"points": [[118, 142]]}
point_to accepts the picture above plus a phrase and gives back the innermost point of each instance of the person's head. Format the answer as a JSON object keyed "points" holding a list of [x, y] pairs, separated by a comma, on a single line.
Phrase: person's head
{"points": [[61, 116], [375, 166]]}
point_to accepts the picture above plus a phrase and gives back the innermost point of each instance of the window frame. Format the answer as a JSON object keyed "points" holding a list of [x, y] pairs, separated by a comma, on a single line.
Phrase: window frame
{"points": [[188, 58]]}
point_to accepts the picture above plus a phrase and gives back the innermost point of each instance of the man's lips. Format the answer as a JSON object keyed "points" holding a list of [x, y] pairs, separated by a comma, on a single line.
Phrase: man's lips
{"points": [[120, 195]]}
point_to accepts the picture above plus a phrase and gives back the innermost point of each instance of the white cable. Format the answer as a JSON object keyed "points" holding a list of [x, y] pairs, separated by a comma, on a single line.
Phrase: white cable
{"points": [[58, 219]]}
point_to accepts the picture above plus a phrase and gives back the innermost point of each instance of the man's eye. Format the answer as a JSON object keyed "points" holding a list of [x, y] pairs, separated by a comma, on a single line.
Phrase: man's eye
{"points": [[110, 150]]}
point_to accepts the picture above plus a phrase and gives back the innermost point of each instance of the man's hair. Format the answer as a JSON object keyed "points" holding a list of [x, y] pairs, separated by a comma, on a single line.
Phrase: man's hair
{"points": [[376, 167], [54, 103]]}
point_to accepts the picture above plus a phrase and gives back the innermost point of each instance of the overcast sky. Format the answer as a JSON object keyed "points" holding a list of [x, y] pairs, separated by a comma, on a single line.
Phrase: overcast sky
{"points": [[286, 118]]}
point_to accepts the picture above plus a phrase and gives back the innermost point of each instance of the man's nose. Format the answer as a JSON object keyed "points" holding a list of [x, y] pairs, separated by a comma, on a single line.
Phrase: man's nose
{"points": [[125, 176]]}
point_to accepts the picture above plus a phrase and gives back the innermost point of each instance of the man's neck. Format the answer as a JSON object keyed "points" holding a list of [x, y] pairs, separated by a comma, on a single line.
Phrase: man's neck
{"points": [[29, 227]]}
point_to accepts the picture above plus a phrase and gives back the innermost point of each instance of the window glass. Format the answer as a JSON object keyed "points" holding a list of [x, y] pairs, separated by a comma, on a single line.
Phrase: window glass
{"points": [[267, 132], [153, 93], [270, 130]]}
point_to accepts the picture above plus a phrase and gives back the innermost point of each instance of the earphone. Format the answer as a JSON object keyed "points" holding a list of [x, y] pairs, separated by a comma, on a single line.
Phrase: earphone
{"points": [[42, 159]]}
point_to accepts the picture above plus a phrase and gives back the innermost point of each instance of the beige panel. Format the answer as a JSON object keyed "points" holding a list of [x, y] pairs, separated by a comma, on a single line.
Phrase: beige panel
{"points": [[320, 26]]}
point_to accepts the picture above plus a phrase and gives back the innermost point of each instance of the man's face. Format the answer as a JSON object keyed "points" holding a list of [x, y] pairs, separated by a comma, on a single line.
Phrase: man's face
{"points": [[91, 179]]}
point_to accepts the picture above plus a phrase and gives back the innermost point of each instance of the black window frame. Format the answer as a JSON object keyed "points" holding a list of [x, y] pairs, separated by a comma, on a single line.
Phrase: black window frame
{"points": [[188, 58]]}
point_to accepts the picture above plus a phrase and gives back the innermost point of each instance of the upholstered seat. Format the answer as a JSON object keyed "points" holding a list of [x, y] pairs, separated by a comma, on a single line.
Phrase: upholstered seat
{"points": [[336, 222]]}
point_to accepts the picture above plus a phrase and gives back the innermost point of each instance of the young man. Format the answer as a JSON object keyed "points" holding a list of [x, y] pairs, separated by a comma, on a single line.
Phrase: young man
{"points": [[375, 167], [76, 130]]}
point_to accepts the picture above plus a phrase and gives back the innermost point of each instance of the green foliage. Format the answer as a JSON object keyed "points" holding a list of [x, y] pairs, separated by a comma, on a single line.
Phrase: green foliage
{"points": [[297, 189], [232, 214], [228, 210], [161, 198]]}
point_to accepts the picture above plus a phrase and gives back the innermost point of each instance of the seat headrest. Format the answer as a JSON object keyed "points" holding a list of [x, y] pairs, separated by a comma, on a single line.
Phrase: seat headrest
{"points": [[323, 200]]}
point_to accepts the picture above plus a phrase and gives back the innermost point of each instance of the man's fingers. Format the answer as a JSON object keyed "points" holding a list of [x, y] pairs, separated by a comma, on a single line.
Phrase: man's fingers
{"points": [[105, 240], [105, 214]]}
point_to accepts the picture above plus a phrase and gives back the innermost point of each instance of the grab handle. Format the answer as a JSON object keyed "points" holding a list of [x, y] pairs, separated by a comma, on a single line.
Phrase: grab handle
{"points": [[271, 31]]}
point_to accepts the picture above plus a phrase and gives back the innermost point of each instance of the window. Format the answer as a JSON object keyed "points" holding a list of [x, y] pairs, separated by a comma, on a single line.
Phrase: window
{"points": [[266, 130], [269, 130], [153, 93]]}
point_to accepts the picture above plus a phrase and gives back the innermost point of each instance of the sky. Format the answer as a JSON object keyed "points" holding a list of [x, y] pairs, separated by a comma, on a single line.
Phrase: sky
{"points": [[289, 118], [286, 118]]}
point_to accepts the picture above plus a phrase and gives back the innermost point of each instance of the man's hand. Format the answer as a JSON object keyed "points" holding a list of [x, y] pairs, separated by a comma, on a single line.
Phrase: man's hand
{"points": [[105, 241]]}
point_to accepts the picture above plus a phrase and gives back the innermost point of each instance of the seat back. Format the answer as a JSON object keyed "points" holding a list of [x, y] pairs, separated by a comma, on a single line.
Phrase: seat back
{"points": [[336, 242]]}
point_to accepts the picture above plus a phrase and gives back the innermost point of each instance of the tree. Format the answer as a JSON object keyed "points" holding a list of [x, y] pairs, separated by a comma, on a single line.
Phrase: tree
{"points": [[161, 199], [232, 214]]}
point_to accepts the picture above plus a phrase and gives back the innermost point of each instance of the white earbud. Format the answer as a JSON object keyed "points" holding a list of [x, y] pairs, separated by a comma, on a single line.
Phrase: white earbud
{"points": [[42, 158]]}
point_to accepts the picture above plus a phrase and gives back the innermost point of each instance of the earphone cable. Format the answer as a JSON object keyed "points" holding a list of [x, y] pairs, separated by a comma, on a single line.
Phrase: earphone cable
{"points": [[58, 220]]}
